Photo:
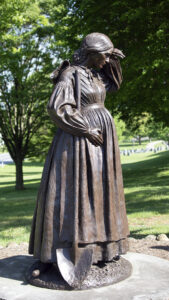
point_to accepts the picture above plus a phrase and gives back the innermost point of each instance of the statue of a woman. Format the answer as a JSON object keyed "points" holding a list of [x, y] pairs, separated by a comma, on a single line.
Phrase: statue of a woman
{"points": [[102, 222]]}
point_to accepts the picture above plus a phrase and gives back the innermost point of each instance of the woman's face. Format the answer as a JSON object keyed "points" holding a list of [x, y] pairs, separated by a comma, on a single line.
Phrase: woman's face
{"points": [[98, 59]]}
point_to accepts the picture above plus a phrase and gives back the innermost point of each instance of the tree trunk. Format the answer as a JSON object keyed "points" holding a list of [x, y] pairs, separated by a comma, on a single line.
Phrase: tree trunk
{"points": [[19, 173], [139, 140]]}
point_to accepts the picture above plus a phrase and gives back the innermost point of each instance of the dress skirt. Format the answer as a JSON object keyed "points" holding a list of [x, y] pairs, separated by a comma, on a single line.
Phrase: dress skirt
{"points": [[102, 221]]}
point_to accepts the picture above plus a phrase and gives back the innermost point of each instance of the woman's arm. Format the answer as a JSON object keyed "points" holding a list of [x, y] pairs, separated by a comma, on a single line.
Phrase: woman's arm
{"points": [[62, 108], [111, 72]]}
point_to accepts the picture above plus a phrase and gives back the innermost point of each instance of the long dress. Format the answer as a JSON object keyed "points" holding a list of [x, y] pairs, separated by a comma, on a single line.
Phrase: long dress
{"points": [[102, 221]]}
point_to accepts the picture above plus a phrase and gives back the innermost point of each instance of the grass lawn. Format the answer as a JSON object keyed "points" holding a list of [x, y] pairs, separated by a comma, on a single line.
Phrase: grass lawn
{"points": [[146, 181], [135, 145], [16, 207], [130, 145]]}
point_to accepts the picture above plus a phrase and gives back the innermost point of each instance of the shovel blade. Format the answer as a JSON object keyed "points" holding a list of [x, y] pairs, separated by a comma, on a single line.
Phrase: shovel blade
{"points": [[74, 272]]}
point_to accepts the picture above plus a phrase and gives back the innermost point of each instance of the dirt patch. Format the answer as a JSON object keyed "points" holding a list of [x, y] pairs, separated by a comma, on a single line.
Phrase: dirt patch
{"points": [[146, 246], [150, 247]]}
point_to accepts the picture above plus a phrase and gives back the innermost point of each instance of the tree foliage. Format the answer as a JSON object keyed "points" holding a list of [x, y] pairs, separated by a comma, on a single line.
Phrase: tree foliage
{"points": [[25, 63], [36, 35], [141, 29]]}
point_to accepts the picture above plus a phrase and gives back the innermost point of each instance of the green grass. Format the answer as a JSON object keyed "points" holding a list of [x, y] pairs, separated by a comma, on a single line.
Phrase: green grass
{"points": [[129, 145], [16, 207], [146, 181]]}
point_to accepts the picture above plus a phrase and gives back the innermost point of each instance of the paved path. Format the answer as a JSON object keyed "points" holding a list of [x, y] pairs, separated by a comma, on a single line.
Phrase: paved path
{"points": [[149, 281]]}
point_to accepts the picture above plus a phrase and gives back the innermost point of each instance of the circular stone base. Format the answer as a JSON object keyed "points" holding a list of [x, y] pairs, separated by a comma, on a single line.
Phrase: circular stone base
{"points": [[99, 275]]}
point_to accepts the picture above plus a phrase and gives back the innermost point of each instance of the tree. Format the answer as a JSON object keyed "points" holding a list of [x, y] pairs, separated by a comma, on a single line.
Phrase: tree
{"points": [[146, 126], [25, 64], [141, 29], [140, 127], [37, 34], [120, 127], [157, 130]]}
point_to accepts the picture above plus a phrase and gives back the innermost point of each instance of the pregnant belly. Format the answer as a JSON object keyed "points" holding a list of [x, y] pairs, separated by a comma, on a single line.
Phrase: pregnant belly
{"points": [[97, 116]]}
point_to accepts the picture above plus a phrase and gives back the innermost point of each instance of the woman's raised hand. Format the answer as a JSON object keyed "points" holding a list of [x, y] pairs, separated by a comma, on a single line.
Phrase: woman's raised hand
{"points": [[117, 54]]}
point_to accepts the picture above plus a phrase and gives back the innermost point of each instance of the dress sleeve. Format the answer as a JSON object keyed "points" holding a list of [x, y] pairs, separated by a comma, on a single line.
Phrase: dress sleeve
{"points": [[63, 110], [111, 75]]}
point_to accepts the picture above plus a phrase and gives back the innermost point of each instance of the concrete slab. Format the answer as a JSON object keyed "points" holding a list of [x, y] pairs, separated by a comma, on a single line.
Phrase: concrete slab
{"points": [[149, 281]]}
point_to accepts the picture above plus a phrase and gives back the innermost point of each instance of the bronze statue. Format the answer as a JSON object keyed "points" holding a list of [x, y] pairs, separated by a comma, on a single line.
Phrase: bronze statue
{"points": [[80, 217]]}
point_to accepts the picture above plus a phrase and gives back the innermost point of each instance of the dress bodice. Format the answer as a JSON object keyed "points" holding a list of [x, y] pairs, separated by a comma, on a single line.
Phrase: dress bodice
{"points": [[92, 87], [62, 106]]}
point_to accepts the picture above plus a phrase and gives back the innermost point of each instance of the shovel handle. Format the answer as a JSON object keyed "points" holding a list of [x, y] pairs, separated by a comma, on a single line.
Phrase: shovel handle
{"points": [[77, 90], [76, 175]]}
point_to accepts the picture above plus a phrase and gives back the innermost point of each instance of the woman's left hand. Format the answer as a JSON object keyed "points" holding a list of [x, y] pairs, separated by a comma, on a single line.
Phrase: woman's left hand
{"points": [[95, 136]]}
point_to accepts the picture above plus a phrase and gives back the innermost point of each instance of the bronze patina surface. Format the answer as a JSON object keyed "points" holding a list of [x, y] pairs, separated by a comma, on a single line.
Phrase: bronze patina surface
{"points": [[99, 275], [81, 202]]}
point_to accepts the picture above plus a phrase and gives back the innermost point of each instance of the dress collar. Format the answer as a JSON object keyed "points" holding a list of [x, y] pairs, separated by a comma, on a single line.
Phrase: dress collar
{"points": [[89, 73]]}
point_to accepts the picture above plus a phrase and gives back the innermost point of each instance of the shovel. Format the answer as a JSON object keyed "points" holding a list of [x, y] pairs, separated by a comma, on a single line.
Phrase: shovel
{"points": [[74, 263]]}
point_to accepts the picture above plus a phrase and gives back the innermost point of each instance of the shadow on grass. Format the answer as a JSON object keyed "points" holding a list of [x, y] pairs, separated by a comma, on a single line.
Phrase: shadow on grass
{"points": [[16, 215], [25, 224], [25, 173], [151, 179], [137, 233], [17, 206], [12, 183], [149, 167], [126, 145], [166, 248], [33, 164], [30, 184], [30, 164], [135, 203], [7, 176]]}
